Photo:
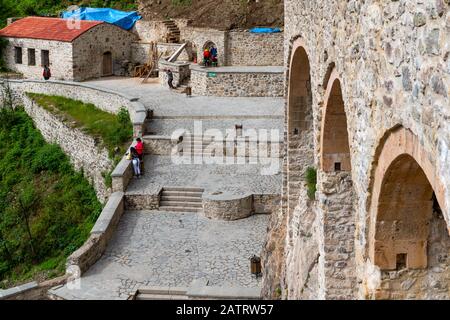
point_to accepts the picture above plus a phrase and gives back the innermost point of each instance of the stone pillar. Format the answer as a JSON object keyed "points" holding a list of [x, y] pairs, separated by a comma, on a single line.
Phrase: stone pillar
{"points": [[337, 272]]}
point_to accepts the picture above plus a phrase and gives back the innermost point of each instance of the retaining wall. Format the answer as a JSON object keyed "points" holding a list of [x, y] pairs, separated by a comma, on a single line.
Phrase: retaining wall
{"points": [[235, 83]]}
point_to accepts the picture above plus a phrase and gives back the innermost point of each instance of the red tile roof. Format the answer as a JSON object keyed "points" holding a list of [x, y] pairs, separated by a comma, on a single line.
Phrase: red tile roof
{"points": [[47, 29]]}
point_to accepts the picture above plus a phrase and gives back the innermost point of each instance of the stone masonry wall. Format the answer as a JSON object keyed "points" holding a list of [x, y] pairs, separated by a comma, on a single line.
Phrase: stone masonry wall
{"points": [[254, 49], [148, 31], [198, 37], [392, 58], [84, 151], [89, 48], [60, 55], [102, 99], [237, 84]]}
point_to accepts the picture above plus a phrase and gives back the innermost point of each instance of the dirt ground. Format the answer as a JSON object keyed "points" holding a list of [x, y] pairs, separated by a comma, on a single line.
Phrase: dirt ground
{"points": [[223, 14]]}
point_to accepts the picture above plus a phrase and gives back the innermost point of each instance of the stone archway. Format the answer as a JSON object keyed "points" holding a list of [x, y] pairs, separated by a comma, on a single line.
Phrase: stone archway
{"points": [[300, 131], [335, 150], [301, 248], [335, 186], [408, 238]]}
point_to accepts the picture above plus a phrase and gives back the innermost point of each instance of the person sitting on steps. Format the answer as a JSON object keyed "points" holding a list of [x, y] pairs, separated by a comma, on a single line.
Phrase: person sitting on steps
{"points": [[140, 151], [134, 157]]}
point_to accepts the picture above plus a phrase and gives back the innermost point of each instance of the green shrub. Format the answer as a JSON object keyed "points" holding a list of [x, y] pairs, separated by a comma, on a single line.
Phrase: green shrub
{"points": [[40, 195], [48, 158], [311, 181]]}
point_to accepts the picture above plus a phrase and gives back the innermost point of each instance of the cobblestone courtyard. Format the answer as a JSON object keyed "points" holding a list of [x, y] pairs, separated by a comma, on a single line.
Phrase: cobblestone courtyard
{"points": [[153, 248], [235, 179]]}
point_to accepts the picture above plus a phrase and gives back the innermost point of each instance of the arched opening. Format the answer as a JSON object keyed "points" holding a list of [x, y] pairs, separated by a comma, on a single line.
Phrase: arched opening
{"points": [[300, 97], [405, 208], [210, 54], [299, 177], [408, 234], [300, 142], [107, 67], [335, 147], [336, 189]]}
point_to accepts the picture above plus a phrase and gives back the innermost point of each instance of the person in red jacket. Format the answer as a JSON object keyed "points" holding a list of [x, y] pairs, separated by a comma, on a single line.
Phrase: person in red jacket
{"points": [[47, 74], [140, 151]]}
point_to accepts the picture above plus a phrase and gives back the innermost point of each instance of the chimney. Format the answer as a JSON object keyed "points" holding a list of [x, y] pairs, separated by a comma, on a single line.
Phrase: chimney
{"points": [[11, 20]]}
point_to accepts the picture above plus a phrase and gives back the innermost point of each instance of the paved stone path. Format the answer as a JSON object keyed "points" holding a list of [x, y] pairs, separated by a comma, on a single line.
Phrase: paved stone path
{"points": [[167, 127], [156, 248], [168, 103], [238, 179]]}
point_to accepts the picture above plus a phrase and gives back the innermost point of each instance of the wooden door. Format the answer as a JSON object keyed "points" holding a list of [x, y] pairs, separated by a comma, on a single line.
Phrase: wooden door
{"points": [[107, 68]]}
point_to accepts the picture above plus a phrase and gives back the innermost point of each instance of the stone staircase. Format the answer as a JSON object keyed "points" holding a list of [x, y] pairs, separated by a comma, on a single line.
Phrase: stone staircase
{"points": [[181, 199], [198, 144], [174, 32]]}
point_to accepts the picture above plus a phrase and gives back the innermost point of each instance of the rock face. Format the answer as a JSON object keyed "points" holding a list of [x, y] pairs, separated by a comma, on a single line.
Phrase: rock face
{"points": [[378, 77], [227, 14]]}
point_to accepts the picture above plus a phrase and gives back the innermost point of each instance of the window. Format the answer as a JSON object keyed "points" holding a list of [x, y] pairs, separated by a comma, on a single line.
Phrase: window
{"points": [[18, 55], [337, 166], [45, 58], [31, 57], [402, 259]]}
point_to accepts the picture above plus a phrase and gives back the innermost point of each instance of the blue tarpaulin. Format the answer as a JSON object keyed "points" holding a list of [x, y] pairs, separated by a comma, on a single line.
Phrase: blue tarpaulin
{"points": [[265, 30], [125, 20]]}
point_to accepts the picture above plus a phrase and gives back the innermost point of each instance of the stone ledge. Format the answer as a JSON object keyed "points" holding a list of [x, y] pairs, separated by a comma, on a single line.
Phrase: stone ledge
{"points": [[199, 290], [224, 293], [8, 293], [83, 258], [109, 213], [239, 69]]}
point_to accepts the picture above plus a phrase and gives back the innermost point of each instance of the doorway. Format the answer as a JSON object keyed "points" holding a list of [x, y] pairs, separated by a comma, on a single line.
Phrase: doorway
{"points": [[107, 68]]}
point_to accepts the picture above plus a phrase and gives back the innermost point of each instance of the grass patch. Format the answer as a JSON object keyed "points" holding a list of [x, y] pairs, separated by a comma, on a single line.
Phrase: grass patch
{"points": [[114, 131], [311, 182], [47, 209]]}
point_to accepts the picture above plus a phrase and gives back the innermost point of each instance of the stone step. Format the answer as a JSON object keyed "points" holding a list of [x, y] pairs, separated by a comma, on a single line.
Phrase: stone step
{"points": [[149, 296], [180, 204], [180, 198], [180, 209], [184, 189], [195, 194]]}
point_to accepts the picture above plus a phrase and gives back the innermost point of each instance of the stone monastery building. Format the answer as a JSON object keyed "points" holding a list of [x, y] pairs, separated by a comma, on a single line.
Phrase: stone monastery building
{"points": [[367, 105], [74, 50], [366, 87]]}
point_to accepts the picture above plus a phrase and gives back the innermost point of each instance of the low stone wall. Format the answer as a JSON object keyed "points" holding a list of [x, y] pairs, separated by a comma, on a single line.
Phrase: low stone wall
{"points": [[106, 100], [160, 145], [254, 49], [227, 207], [180, 72], [80, 261], [139, 201], [32, 290], [84, 151], [122, 175], [212, 82]]}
